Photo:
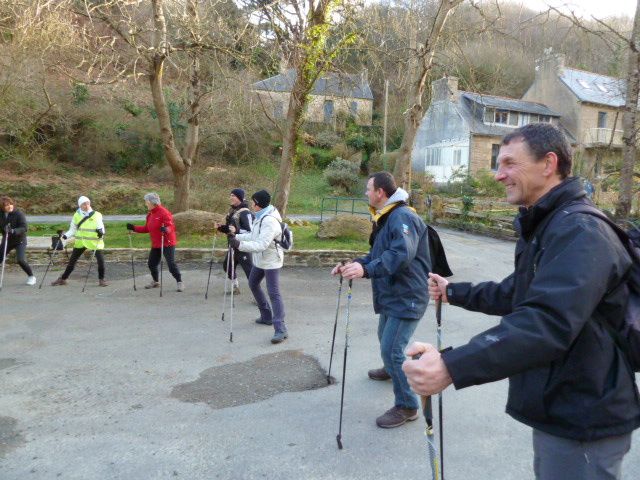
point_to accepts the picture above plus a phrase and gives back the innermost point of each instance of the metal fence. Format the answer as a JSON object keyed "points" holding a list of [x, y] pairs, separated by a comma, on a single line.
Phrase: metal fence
{"points": [[351, 205]]}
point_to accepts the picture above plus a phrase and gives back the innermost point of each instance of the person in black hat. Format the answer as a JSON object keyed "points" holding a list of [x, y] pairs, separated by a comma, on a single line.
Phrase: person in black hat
{"points": [[241, 218], [268, 258]]}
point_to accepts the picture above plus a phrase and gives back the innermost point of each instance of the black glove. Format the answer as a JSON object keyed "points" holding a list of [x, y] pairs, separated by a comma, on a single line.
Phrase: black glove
{"points": [[223, 228], [100, 232], [234, 242], [130, 226], [164, 229], [63, 236]]}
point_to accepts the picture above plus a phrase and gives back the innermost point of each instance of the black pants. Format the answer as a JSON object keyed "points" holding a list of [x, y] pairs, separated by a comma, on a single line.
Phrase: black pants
{"points": [[76, 254], [21, 250], [169, 256], [243, 258]]}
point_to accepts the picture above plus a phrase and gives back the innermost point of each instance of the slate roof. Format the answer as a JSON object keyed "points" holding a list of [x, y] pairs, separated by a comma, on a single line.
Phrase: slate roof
{"points": [[510, 104], [333, 84], [595, 88]]}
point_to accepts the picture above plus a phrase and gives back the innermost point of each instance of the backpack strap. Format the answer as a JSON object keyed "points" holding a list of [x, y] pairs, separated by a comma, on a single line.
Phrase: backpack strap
{"points": [[85, 219]]}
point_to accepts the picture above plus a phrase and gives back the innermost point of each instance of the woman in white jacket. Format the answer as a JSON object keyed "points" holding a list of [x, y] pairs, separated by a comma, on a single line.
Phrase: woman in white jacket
{"points": [[267, 258]]}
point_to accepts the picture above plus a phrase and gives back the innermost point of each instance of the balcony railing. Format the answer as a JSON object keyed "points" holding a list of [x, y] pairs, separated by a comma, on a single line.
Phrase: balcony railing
{"points": [[600, 137]]}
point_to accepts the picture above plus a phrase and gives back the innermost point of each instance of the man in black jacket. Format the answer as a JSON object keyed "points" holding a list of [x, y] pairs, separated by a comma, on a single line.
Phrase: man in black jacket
{"points": [[568, 379], [240, 218], [13, 224]]}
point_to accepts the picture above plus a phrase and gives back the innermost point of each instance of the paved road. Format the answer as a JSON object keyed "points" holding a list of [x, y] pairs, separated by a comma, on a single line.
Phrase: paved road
{"points": [[117, 384]]}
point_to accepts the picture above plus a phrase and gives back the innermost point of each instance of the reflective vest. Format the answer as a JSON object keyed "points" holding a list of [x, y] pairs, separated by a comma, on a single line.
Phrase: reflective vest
{"points": [[87, 235]]}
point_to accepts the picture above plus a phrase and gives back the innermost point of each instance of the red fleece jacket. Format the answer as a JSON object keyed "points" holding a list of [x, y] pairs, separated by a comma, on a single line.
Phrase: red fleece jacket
{"points": [[156, 218]]}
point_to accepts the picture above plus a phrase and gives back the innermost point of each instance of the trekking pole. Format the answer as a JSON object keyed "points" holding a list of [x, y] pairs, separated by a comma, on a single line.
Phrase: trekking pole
{"points": [[226, 281], [344, 364], [232, 275], [4, 257], [133, 269], [53, 254], [93, 254], [213, 249], [427, 411], [440, 416], [335, 325], [161, 253]]}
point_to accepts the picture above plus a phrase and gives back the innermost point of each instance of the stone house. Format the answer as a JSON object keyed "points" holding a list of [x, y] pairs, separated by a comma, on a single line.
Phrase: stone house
{"points": [[334, 95], [591, 107], [461, 131]]}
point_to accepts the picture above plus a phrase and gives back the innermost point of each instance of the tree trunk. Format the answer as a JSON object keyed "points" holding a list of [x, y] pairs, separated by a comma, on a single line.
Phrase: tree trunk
{"points": [[181, 169], [629, 122], [295, 112], [414, 113]]}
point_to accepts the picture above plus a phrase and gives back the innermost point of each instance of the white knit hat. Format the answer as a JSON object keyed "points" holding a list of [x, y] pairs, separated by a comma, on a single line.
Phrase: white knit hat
{"points": [[82, 200]]}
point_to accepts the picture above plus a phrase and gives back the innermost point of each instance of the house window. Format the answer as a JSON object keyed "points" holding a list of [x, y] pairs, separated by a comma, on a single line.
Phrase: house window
{"points": [[488, 115], [513, 118], [545, 118], [278, 110], [501, 116], [495, 148], [433, 157], [328, 111], [602, 119], [584, 84], [533, 118], [457, 156], [602, 88], [353, 109]]}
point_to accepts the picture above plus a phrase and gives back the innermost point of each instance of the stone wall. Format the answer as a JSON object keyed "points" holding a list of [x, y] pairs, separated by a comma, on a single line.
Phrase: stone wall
{"points": [[480, 152], [295, 258]]}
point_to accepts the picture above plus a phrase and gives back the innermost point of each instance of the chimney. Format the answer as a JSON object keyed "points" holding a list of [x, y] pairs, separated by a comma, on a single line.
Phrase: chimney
{"points": [[550, 63], [444, 89], [364, 77]]}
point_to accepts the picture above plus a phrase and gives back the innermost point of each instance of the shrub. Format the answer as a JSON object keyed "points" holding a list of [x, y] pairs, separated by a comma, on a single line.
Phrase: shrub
{"points": [[327, 139], [342, 174], [321, 157], [486, 184]]}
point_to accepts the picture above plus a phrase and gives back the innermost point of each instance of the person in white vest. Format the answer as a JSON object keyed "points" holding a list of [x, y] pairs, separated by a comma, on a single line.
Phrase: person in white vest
{"points": [[88, 230]]}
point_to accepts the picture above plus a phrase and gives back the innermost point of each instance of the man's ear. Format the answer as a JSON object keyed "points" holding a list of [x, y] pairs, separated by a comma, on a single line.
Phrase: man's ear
{"points": [[551, 164]]}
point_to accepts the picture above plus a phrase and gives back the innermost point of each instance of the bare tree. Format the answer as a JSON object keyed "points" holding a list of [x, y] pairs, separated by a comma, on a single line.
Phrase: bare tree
{"points": [[424, 55]]}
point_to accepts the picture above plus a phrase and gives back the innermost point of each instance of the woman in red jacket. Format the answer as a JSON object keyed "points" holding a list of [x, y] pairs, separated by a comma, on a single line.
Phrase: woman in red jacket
{"points": [[159, 224]]}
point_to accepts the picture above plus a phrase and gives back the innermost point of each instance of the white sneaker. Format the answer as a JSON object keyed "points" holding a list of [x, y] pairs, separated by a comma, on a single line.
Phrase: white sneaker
{"points": [[31, 280], [180, 287]]}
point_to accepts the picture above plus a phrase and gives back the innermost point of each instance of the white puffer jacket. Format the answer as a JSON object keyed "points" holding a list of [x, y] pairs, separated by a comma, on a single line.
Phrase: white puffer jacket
{"points": [[260, 240]]}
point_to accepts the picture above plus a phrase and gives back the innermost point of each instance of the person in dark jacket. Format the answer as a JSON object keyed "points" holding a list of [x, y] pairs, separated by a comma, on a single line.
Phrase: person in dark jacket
{"points": [[568, 379], [240, 218], [13, 224], [162, 231], [398, 265]]}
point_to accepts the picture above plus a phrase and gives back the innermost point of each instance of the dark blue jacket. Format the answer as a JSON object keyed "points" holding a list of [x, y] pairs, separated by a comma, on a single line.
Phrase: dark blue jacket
{"points": [[398, 265]]}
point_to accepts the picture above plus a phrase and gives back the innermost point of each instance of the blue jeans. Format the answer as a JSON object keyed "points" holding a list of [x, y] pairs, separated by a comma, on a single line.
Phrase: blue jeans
{"points": [[394, 335], [275, 311]]}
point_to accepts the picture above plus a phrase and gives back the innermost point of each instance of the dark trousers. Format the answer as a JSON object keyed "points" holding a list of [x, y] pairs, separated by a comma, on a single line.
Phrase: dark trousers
{"points": [[275, 312], [21, 250], [242, 258], [169, 256], [556, 458], [76, 254]]}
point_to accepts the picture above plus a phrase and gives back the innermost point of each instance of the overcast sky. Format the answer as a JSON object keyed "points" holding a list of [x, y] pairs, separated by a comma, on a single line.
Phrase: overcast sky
{"points": [[597, 8]]}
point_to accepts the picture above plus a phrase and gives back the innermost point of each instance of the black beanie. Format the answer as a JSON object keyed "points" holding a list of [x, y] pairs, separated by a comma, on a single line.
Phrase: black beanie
{"points": [[239, 193], [262, 198]]}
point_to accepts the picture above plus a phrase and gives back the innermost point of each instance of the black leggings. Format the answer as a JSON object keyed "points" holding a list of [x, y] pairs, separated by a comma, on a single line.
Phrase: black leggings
{"points": [[243, 258], [76, 253], [21, 250], [169, 256]]}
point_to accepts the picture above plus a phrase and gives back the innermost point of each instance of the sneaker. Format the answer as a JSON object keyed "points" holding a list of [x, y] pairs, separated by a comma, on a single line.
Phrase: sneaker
{"points": [[103, 283], [58, 281], [31, 280], [260, 321], [152, 284], [279, 337], [379, 374], [396, 416], [180, 287]]}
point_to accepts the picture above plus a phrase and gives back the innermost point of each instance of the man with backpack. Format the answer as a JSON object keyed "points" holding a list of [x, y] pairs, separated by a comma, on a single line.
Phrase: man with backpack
{"points": [[267, 252], [398, 265], [570, 376], [241, 219]]}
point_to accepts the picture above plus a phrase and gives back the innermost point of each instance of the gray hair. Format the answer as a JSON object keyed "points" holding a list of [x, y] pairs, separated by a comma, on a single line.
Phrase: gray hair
{"points": [[152, 197]]}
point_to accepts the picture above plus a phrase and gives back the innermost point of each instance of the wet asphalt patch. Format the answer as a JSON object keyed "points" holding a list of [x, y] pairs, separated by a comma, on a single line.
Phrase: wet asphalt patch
{"points": [[254, 380], [10, 437]]}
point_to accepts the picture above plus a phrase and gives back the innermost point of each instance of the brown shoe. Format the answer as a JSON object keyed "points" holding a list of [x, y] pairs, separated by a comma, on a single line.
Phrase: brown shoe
{"points": [[59, 281], [103, 283], [394, 417], [152, 284], [379, 374]]}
